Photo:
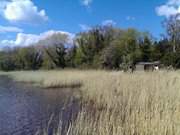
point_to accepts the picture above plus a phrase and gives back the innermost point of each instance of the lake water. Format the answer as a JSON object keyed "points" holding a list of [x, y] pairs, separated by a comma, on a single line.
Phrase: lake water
{"points": [[24, 109]]}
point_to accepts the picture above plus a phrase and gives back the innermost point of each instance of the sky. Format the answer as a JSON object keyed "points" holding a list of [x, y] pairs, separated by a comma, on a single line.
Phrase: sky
{"points": [[24, 22]]}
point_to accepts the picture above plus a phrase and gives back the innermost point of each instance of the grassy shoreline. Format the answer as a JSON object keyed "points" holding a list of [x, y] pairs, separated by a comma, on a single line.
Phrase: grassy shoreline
{"points": [[118, 103]]}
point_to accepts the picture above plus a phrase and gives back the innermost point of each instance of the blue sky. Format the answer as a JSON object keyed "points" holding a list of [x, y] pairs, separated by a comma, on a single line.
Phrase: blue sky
{"points": [[26, 21]]}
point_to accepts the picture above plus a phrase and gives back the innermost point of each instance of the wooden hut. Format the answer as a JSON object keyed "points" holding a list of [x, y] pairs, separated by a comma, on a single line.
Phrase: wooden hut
{"points": [[147, 66]]}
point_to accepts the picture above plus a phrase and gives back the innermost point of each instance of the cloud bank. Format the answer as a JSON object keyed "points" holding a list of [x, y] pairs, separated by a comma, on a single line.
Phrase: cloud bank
{"points": [[23, 39], [5, 29]]}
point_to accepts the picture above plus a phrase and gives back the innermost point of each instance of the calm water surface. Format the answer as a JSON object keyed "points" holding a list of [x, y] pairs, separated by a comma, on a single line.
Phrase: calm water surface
{"points": [[24, 109]]}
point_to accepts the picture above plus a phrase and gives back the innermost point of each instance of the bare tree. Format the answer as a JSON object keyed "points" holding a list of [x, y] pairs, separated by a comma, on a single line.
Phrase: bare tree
{"points": [[172, 25]]}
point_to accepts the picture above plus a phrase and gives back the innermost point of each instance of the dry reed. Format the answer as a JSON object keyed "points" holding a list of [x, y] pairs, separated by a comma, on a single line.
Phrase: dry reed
{"points": [[116, 103]]}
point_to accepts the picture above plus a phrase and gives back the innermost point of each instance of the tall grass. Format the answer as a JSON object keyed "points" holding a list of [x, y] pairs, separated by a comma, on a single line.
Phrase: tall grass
{"points": [[116, 103]]}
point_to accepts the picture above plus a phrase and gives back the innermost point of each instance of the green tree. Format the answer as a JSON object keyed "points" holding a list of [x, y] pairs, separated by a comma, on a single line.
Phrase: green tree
{"points": [[128, 47], [91, 43], [146, 49], [111, 58], [70, 56], [28, 58], [57, 54]]}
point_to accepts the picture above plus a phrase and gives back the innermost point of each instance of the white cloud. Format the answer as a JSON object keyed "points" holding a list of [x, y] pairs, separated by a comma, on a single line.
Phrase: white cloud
{"points": [[3, 4], [108, 23], [172, 2], [172, 7], [5, 29], [130, 18], [86, 2], [22, 11], [84, 27], [23, 39]]}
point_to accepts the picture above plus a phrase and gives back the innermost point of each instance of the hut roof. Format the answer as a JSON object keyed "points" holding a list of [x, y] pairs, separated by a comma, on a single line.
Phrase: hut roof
{"points": [[149, 63]]}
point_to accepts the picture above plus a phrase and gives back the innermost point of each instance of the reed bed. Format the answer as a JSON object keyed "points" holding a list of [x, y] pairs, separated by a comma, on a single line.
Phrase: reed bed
{"points": [[116, 103]]}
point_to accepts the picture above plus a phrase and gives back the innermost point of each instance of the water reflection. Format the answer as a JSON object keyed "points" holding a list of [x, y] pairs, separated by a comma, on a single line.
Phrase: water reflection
{"points": [[24, 109]]}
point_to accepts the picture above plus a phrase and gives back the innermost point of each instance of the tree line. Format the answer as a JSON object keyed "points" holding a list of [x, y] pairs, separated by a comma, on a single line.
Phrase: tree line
{"points": [[101, 47]]}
